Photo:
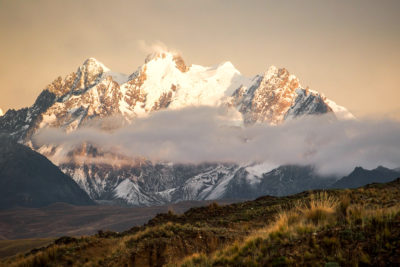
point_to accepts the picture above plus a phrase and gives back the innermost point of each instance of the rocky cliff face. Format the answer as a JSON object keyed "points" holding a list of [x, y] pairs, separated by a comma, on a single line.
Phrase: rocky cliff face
{"points": [[268, 98], [164, 81]]}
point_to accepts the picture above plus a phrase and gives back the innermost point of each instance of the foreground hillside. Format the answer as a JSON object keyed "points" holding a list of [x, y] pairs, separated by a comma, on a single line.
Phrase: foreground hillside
{"points": [[333, 228]]}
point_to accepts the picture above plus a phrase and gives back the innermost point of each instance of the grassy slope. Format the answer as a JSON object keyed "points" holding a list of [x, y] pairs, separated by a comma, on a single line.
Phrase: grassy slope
{"points": [[12, 247], [345, 227]]}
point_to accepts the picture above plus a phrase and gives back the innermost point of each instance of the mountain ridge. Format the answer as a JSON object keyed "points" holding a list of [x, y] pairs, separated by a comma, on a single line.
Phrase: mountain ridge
{"points": [[360, 176], [95, 91]]}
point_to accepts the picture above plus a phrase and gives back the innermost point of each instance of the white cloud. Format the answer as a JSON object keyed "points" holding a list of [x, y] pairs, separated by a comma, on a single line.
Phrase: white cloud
{"points": [[155, 47], [195, 135]]}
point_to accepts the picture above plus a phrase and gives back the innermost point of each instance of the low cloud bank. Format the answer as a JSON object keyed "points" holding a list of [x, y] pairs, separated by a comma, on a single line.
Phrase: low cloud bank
{"points": [[206, 134]]}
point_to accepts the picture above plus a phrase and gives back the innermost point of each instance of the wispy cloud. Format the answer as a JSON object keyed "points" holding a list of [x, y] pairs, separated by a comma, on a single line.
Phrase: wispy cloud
{"points": [[155, 47]]}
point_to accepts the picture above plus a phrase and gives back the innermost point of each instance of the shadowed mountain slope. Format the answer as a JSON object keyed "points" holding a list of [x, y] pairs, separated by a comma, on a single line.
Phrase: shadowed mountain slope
{"points": [[29, 179]]}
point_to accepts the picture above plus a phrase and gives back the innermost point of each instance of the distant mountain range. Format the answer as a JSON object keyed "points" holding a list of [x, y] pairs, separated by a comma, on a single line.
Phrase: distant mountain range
{"points": [[94, 92], [164, 82], [360, 177]]}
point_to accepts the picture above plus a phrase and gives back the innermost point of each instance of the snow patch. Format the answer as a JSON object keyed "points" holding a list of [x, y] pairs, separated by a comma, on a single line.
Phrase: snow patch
{"points": [[256, 171], [118, 77], [260, 169], [166, 195], [341, 112], [129, 191]]}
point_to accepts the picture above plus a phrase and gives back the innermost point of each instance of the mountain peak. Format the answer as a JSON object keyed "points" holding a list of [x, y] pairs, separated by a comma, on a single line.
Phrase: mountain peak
{"points": [[382, 168], [159, 55], [227, 64], [165, 81], [358, 169], [168, 56], [272, 71], [360, 176], [91, 64]]}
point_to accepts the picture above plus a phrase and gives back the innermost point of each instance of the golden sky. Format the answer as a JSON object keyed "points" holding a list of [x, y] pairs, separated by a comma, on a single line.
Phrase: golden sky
{"points": [[348, 50]]}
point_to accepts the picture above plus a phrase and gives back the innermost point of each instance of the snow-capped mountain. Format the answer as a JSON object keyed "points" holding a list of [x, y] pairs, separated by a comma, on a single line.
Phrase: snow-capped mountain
{"points": [[164, 81]]}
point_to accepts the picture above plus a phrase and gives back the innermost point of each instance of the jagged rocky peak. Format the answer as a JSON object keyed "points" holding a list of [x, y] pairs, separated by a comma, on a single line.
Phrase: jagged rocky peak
{"points": [[168, 56], [269, 96], [87, 75], [90, 92], [281, 77], [277, 95], [308, 102], [164, 81], [90, 73], [92, 65]]}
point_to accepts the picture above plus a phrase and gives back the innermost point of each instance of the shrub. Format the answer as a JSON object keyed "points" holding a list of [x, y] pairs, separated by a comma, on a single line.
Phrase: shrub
{"points": [[341, 209], [65, 240], [320, 208]]}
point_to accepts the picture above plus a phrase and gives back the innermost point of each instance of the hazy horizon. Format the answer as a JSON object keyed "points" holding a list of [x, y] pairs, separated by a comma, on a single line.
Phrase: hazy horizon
{"points": [[347, 50]]}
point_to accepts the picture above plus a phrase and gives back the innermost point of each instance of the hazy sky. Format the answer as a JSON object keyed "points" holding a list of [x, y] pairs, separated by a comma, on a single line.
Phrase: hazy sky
{"points": [[348, 50]]}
